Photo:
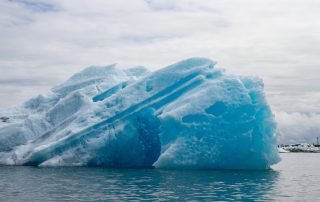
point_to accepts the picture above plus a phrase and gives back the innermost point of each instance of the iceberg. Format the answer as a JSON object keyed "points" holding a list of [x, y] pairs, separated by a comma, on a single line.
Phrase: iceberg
{"points": [[188, 115]]}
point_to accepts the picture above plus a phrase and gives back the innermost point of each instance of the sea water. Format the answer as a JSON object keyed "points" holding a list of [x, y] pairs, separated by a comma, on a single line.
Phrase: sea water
{"points": [[295, 178]]}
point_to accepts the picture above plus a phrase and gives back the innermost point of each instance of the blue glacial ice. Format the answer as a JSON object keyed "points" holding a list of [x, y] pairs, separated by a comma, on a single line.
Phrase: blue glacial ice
{"points": [[187, 115]]}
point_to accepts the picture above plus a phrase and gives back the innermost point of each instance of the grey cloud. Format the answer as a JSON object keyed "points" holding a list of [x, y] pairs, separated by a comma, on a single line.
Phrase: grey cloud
{"points": [[276, 40], [298, 127], [19, 82]]}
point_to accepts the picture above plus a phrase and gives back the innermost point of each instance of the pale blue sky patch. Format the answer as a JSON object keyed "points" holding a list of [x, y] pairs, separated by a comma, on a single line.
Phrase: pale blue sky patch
{"points": [[36, 5]]}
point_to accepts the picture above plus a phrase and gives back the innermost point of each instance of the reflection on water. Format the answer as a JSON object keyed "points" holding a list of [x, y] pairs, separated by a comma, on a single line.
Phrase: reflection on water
{"points": [[99, 184], [90, 184]]}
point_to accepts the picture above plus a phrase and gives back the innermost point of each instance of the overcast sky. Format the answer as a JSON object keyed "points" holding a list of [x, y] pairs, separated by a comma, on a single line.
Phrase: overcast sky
{"points": [[44, 42]]}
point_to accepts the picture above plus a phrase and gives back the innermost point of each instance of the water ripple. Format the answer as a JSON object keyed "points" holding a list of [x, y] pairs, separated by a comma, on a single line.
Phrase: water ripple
{"points": [[288, 181]]}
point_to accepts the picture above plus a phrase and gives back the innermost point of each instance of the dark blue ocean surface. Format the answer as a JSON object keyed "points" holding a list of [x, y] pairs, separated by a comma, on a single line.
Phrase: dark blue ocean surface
{"points": [[296, 178]]}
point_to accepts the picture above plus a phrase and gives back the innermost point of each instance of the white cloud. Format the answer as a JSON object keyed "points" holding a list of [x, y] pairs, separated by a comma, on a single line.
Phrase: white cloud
{"points": [[49, 40]]}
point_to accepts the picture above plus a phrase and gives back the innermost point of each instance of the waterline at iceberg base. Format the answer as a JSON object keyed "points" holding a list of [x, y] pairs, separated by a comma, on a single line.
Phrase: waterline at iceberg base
{"points": [[187, 115]]}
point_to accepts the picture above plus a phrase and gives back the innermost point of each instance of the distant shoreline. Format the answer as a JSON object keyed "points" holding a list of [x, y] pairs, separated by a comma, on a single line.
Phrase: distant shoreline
{"points": [[299, 148]]}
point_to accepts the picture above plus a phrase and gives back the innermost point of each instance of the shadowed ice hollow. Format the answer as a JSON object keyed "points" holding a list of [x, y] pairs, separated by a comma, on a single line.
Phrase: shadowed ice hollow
{"points": [[186, 115]]}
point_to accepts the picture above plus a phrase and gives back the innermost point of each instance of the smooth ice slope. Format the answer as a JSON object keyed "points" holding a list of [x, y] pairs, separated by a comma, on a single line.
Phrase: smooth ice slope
{"points": [[186, 115]]}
